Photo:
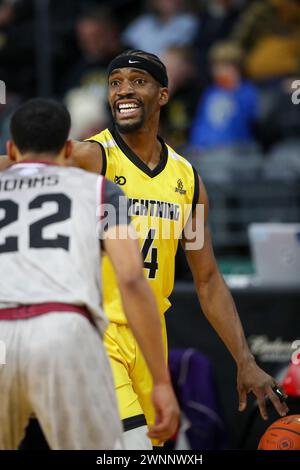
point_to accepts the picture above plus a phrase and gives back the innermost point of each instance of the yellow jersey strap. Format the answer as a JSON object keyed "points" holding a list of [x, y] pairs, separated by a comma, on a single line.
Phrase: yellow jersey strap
{"points": [[104, 157]]}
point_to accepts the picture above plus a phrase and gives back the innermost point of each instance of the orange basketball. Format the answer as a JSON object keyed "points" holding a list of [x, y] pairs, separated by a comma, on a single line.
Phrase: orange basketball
{"points": [[283, 434]]}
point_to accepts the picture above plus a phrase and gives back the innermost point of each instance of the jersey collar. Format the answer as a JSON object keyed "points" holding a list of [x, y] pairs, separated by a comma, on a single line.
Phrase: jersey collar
{"points": [[38, 162], [136, 160]]}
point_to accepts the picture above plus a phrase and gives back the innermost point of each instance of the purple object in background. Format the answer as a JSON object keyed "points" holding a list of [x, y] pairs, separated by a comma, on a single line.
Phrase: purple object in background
{"points": [[194, 382]]}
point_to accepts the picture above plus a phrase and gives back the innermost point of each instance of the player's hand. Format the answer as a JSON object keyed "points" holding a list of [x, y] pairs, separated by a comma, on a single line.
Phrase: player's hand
{"points": [[166, 413], [252, 378]]}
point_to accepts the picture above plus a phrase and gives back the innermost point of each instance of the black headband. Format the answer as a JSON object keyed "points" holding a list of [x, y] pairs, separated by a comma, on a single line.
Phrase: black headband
{"points": [[137, 62]]}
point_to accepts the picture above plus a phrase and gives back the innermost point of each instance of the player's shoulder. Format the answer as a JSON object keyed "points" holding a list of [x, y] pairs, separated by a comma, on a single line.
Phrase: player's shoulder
{"points": [[77, 174], [185, 173], [178, 160], [104, 138]]}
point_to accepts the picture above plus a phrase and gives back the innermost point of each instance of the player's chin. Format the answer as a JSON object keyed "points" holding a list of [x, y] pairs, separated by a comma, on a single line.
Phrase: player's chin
{"points": [[129, 124]]}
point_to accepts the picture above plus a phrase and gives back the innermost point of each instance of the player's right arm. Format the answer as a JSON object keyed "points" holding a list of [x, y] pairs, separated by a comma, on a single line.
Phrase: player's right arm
{"points": [[143, 318]]}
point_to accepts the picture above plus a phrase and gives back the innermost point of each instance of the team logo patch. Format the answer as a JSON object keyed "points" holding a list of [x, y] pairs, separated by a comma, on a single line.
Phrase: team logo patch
{"points": [[179, 188], [120, 180]]}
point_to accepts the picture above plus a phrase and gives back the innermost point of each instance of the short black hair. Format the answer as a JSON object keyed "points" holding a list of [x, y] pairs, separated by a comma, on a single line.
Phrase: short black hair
{"points": [[40, 126]]}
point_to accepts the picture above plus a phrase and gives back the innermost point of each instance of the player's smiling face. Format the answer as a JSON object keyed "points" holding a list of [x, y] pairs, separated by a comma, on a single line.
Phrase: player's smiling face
{"points": [[134, 97]]}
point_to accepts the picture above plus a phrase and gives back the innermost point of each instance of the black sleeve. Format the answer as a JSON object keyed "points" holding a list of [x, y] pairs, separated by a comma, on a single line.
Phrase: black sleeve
{"points": [[115, 206]]}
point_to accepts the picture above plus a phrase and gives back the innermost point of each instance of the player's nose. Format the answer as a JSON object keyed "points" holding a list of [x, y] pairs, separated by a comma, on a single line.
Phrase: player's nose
{"points": [[125, 88]]}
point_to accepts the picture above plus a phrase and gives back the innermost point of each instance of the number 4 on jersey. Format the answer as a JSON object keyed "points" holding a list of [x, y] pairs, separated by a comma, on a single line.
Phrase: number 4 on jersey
{"points": [[149, 251]]}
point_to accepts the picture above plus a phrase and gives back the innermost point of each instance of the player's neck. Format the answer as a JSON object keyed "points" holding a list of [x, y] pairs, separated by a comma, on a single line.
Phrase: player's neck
{"points": [[145, 145], [38, 158]]}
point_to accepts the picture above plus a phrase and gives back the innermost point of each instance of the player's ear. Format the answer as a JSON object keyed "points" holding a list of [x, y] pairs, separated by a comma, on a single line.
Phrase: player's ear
{"points": [[11, 151], [68, 149], [164, 96]]}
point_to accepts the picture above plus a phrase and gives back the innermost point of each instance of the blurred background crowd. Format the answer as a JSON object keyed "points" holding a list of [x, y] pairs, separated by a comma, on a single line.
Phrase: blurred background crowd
{"points": [[232, 66]]}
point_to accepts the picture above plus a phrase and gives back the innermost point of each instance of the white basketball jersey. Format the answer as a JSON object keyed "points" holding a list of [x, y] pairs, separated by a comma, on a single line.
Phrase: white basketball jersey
{"points": [[49, 237]]}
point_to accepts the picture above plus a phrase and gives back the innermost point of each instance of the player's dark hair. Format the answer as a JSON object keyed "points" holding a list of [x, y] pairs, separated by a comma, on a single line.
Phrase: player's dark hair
{"points": [[40, 126]]}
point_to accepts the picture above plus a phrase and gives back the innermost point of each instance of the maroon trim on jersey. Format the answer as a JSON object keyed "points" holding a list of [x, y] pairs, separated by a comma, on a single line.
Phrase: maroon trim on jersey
{"points": [[44, 162], [29, 311]]}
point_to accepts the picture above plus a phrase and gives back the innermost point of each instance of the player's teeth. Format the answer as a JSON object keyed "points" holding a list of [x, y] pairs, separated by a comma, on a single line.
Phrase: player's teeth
{"points": [[127, 106], [128, 110]]}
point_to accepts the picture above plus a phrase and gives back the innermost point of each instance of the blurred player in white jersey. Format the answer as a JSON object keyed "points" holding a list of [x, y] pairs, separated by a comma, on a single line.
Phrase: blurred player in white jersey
{"points": [[50, 296]]}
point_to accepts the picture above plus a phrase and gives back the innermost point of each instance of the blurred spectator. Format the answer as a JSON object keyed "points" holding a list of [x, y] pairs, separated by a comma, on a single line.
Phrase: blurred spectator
{"points": [[88, 110], [184, 89], [6, 12], [280, 119], [169, 23], [228, 109], [218, 18], [269, 31], [99, 42]]}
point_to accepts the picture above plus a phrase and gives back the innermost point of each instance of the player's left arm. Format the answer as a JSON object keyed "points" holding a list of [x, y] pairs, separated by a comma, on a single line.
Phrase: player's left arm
{"points": [[220, 310]]}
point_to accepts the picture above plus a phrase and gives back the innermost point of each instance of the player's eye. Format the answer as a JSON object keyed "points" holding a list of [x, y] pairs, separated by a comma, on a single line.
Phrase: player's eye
{"points": [[114, 83], [140, 81]]}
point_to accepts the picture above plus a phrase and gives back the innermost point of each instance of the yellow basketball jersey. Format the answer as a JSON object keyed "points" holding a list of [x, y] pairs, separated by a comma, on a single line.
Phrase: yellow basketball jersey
{"points": [[160, 202]]}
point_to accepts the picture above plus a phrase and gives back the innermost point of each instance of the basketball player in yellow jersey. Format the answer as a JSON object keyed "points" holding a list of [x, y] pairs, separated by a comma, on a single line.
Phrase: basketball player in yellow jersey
{"points": [[159, 183]]}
